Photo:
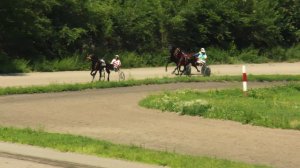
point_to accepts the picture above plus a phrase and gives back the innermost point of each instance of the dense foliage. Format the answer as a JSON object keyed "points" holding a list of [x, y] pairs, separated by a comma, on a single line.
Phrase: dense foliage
{"points": [[38, 30]]}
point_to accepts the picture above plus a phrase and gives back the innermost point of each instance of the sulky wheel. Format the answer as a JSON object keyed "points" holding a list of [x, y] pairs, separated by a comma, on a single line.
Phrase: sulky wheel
{"points": [[121, 76]]}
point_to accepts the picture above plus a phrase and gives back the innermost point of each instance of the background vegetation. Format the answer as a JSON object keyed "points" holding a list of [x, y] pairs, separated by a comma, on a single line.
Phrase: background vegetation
{"points": [[50, 35], [276, 107]]}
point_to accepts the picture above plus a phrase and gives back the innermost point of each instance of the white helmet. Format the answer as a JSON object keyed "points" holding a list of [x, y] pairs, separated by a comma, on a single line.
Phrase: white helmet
{"points": [[202, 50]]}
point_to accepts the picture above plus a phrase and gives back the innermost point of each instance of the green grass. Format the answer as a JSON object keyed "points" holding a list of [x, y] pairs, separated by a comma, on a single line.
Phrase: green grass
{"points": [[165, 80], [85, 145], [277, 107]]}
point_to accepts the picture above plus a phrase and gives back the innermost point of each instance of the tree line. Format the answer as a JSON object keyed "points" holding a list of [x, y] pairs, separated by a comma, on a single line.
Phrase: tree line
{"points": [[51, 29]]}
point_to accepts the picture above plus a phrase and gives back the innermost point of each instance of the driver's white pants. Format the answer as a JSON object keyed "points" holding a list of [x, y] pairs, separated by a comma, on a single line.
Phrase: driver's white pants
{"points": [[201, 61]]}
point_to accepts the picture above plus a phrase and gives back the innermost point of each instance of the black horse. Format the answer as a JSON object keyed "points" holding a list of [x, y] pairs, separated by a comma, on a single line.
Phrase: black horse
{"points": [[99, 65]]}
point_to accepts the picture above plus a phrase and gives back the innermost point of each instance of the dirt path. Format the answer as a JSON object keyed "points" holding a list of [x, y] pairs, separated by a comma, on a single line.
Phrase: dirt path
{"points": [[142, 73], [114, 115]]}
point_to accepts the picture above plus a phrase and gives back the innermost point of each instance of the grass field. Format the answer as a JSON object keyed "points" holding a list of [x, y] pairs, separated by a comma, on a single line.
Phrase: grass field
{"points": [[79, 144], [127, 83], [277, 107]]}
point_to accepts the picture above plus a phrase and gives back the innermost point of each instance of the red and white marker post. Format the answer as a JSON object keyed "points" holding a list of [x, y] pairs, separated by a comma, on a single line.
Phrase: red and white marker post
{"points": [[244, 80]]}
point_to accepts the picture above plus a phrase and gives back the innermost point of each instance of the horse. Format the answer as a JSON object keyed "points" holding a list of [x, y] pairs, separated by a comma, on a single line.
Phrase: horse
{"points": [[99, 65], [182, 59], [175, 58], [190, 59]]}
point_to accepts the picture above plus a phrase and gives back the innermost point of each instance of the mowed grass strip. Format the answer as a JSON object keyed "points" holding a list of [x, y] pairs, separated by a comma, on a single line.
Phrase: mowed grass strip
{"points": [[276, 107], [127, 83], [85, 145]]}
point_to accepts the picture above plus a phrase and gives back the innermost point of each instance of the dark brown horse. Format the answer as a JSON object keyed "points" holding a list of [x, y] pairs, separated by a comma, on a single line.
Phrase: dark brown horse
{"points": [[182, 59], [172, 59], [99, 65]]}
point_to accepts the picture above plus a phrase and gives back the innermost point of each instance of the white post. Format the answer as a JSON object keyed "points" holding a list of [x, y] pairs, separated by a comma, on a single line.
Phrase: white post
{"points": [[244, 80]]}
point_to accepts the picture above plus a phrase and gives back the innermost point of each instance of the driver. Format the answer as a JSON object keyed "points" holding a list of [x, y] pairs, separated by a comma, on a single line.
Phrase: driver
{"points": [[201, 56], [116, 62]]}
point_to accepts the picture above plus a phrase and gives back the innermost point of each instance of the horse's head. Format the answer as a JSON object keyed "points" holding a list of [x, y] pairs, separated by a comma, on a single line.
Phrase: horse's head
{"points": [[176, 53]]}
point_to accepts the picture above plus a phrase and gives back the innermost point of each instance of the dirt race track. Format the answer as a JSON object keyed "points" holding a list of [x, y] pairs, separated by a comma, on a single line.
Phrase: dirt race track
{"points": [[114, 115], [45, 78]]}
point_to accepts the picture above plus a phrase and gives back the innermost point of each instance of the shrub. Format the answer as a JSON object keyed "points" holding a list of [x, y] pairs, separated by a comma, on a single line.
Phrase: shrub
{"points": [[12, 66], [65, 64], [252, 56], [277, 54], [131, 60], [196, 109], [218, 56], [293, 53], [21, 65]]}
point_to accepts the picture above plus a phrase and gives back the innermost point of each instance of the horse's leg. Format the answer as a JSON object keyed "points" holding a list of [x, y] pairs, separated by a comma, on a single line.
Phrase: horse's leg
{"points": [[182, 72], [94, 74], [184, 66], [100, 74], [167, 66], [184, 69], [108, 73], [195, 65], [176, 68], [179, 68], [103, 71]]}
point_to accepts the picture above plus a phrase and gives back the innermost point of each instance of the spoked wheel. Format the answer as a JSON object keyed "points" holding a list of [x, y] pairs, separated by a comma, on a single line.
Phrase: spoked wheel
{"points": [[205, 70], [121, 76], [188, 70]]}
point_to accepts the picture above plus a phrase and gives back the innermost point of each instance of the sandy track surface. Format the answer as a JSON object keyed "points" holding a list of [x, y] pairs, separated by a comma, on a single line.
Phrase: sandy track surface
{"points": [[43, 78], [114, 115]]}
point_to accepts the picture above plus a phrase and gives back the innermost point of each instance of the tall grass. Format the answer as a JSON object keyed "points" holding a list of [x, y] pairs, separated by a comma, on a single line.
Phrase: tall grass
{"points": [[79, 144], [277, 107], [7, 65], [64, 64], [134, 60], [293, 53], [252, 55]]}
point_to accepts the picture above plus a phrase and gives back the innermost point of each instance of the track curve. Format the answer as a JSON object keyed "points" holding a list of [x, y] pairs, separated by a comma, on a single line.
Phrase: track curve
{"points": [[114, 115]]}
